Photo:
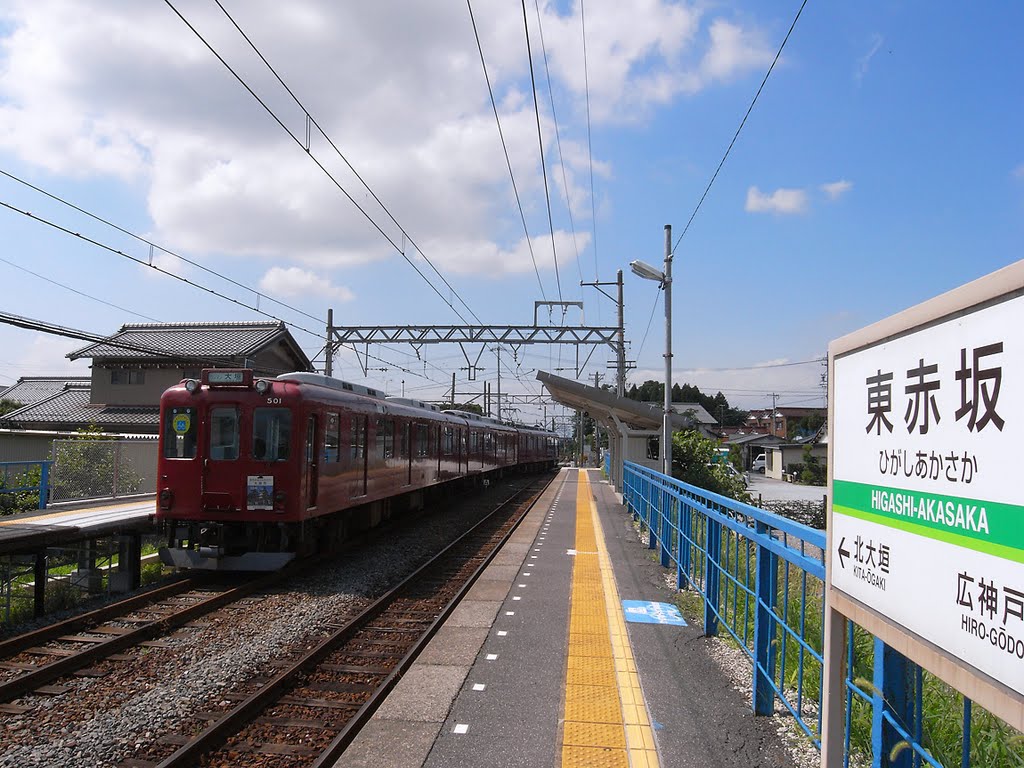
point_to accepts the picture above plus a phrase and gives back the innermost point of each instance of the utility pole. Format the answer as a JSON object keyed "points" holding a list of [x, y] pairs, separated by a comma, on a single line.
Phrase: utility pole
{"points": [[771, 423], [498, 350], [666, 443], [620, 379], [329, 349], [453, 389], [620, 332]]}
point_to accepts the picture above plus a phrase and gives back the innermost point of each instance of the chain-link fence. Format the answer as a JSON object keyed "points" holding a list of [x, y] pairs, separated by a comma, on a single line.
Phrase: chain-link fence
{"points": [[98, 469]]}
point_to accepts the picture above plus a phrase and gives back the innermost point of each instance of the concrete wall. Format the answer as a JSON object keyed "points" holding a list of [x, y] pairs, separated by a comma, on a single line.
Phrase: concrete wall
{"points": [[156, 381]]}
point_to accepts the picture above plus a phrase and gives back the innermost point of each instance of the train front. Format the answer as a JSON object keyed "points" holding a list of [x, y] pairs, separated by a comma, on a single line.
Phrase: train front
{"points": [[227, 493]]}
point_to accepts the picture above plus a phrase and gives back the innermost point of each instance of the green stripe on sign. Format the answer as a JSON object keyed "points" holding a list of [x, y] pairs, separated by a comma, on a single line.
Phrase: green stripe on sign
{"points": [[986, 526]]}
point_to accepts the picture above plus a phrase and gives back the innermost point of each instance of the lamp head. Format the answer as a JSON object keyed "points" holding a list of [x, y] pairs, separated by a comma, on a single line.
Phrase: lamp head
{"points": [[646, 271]]}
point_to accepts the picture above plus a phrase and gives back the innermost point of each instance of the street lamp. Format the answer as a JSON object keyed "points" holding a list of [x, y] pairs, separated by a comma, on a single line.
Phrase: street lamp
{"points": [[664, 279]]}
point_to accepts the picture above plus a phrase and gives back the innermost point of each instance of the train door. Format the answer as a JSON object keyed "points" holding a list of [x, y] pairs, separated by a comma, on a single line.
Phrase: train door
{"points": [[311, 479], [358, 446], [407, 451]]}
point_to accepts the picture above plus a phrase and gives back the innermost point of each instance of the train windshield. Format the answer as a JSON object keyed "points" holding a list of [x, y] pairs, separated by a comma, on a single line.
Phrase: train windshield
{"points": [[271, 434], [180, 427], [224, 433]]}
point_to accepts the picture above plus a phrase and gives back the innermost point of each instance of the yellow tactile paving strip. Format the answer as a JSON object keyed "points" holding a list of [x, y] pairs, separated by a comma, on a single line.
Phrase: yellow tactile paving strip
{"points": [[606, 722]]}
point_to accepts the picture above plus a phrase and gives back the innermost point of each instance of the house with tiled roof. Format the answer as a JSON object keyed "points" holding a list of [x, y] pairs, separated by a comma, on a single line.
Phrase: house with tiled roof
{"points": [[133, 367], [31, 389]]}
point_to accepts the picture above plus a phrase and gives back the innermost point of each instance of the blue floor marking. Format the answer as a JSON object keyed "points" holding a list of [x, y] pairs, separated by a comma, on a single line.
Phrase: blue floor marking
{"points": [[646, 612]]}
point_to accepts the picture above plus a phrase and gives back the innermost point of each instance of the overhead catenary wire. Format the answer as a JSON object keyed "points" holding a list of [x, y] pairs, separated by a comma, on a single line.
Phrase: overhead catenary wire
{"points": [[540, 140], [80, 293], [151, 244], [504, 146], [73, 333], [590, 144], [742, 123], [558, 140], [340, 154], [301, 143], [144, 263]]}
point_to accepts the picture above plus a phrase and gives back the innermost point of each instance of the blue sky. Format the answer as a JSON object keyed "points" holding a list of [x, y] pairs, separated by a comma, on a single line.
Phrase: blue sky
{"points": [[881, 166]]}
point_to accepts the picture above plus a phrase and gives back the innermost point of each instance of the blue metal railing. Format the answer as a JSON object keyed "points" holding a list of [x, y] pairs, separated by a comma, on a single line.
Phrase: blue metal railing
{"points": [[754, 571], [18, 472], [761, 579]]}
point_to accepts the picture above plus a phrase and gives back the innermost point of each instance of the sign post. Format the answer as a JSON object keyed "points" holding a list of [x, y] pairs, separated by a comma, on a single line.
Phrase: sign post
{"points": [[926, 521]]}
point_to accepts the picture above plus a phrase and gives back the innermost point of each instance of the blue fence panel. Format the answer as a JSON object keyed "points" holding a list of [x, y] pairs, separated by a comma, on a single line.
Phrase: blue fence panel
{"points": [[761, 579], [14, 478]]}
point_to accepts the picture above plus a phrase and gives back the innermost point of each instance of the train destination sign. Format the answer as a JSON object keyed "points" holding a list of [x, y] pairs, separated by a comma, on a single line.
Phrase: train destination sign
{"points": [[927, 524]]}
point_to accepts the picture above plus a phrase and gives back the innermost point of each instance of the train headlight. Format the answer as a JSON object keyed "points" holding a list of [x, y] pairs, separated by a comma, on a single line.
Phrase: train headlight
{"points": [[191, 385], [166, 498], [262, 386]]}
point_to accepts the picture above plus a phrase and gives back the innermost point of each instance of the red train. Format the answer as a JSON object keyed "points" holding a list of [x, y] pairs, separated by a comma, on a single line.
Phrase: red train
{"points": [[253, 472]]}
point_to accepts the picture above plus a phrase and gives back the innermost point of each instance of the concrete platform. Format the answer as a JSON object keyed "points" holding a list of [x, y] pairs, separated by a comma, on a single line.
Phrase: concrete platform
{"points": [[53, 527], [538, 666]]}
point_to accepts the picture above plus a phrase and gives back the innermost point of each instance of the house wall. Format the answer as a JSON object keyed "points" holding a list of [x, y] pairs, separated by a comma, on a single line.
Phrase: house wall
{"points": [[148, 393], [779, 458]]}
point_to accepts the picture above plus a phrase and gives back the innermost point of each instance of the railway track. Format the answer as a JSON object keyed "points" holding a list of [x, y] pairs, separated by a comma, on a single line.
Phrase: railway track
{"points": [[33, 660], [308, 712]]}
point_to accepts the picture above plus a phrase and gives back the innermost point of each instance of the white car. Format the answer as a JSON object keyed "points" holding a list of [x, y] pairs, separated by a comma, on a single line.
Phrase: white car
{"points": [[758, 465]]}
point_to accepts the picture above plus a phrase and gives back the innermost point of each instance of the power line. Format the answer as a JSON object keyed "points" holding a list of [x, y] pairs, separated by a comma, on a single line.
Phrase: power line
{"points": [[590, 146], [75, 290], [543, 165], [504, 147], [657, 298], [330, 141], [73, 333], [319, 165], [742, 123], [137, 260], [558, 141], [755, 367], [153, 245]]}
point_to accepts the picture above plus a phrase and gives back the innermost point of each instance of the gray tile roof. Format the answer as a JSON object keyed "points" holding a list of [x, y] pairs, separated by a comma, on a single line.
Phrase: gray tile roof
{"points": [[70, 408], [32, 389], [186, 340]]}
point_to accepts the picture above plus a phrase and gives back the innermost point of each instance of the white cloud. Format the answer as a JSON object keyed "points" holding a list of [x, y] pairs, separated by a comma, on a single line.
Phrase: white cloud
{"points": [[292, 281], [780, 201], [124, 90], [837, 189], [1019, 171]]}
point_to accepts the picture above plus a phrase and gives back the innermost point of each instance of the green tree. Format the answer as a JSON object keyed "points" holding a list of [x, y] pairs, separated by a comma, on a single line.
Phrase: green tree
{"points": [[805, 426], [693, 462], [470, 407], [814, 472]]}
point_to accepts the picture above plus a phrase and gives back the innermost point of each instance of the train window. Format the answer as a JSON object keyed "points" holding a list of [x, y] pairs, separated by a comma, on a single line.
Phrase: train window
{"points": [[271, 434], [180, 427], [385, 438], [488, 442], [421, 440], [448, 442], [358, 439], [332, 439], [224, 433], [474, 442], [403, 448]]}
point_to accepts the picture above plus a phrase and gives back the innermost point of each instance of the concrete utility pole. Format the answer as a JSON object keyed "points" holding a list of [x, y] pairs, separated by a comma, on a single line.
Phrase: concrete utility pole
{"points": [[620, 332], [329, 349], [666, 443]]}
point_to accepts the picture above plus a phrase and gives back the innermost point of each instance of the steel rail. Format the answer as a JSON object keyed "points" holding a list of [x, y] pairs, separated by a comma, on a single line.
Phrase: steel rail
{"points": [[17, 643], [25, 683], [214, 735]]}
